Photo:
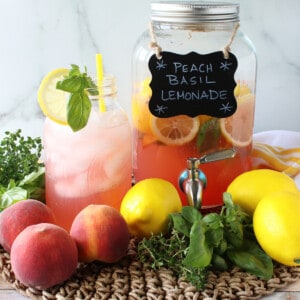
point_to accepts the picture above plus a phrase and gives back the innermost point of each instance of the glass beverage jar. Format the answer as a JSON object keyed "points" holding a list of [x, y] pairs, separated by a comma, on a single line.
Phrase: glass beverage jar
{"points": [[179, 66], [92, 165]]}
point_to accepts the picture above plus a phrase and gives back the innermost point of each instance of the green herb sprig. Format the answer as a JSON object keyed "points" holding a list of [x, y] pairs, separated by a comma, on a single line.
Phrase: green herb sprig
{"points": [[19, 156], [208, 135], [79, 105], [22, 174], [197, 244], [170, 251]]}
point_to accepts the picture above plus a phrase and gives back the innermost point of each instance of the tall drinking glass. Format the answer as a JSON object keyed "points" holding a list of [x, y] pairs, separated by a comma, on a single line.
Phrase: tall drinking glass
{"points": [[92, 165]]}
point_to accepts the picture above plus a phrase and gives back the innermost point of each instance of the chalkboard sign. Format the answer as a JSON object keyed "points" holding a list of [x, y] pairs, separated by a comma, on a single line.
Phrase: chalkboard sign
{"points": [[192, 84]]}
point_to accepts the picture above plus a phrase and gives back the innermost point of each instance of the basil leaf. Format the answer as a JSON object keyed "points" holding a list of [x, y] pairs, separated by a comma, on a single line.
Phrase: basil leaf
{"points": [[221, 248], [214, 236], [72, 84], [36, 177], [215, 232], [213, 220], [89, 83], [191, 214], [34, 184], [208, 135], [78, 110], [227, 199], [219, 263], [11, 196], [74, 71], [199, 254], [253, 261], [180, 224], [234, 234]]}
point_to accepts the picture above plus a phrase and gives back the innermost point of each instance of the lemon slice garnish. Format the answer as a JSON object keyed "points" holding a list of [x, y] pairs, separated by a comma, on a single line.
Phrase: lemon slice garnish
{"points": [[177, 130], [53, 102], [238, 128]]}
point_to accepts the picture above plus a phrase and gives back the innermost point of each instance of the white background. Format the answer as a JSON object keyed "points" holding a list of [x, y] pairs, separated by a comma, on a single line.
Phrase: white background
{"points": [[37, 36]]}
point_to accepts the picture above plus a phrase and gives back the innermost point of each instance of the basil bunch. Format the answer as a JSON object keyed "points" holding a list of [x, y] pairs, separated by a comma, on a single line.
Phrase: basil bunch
{"points": [[211, 242]]}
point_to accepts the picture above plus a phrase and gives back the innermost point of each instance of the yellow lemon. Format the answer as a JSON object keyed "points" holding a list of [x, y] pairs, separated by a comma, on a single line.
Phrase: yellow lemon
{"points": [[147, 205], [276, 225], [250, 187], [140, 110], [141, 114], [241, 89], [145, 87], [53, 102]]}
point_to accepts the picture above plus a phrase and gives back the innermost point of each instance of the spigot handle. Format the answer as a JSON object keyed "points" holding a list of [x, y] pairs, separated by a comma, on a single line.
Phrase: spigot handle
{"points": [[219, 155]]}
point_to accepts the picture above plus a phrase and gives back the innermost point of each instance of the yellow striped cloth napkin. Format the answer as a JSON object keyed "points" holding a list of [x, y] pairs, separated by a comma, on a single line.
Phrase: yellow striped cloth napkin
{"points": [[277, 158], [278, 150]]}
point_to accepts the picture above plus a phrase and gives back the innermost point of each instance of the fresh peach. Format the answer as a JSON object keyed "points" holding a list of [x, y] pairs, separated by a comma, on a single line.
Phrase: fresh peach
{"points": [[18, 216], [43, 255], [100, 233]]}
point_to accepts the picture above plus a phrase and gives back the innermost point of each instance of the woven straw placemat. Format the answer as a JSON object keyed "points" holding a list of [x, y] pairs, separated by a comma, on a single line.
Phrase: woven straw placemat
{"points": [[131, 279]]}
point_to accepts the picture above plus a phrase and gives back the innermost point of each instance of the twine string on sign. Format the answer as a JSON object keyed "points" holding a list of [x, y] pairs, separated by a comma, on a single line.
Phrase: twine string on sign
{"points": [[153, 42], [226, 49]]}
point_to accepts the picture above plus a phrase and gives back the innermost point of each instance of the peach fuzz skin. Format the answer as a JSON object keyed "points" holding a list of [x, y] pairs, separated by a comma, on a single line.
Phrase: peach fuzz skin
{"points": [[100, 233], [18, 216], [43, 255]]}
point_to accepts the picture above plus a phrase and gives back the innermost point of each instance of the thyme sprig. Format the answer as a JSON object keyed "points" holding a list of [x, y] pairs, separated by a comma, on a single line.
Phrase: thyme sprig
{"points": [[19, 156], [168, 251], [22, 174]]}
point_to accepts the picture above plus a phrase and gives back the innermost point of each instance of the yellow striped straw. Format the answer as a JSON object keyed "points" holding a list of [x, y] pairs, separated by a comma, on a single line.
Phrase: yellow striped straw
{"points": [[99, 65]]}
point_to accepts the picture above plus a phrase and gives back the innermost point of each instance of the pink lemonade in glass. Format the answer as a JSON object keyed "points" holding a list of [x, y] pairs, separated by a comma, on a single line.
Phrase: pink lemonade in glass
{"points": [[90, 166]]}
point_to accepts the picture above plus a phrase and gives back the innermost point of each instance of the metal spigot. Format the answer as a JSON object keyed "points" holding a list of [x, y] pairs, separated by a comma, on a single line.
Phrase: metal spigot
{"points": [[192, 181], [195, 182]]}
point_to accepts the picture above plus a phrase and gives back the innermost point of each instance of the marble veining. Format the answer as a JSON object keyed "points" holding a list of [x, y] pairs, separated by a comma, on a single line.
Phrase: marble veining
{"points": [[38, 36]]}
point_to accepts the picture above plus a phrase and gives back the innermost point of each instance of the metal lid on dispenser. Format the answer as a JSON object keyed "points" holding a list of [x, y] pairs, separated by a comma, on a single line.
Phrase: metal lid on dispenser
{"points": [[194, 11]]}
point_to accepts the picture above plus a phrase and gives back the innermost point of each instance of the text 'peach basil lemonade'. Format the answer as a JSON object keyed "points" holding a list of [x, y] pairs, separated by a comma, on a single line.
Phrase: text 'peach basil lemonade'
{"points": [[194, 78], [87, 141]]}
